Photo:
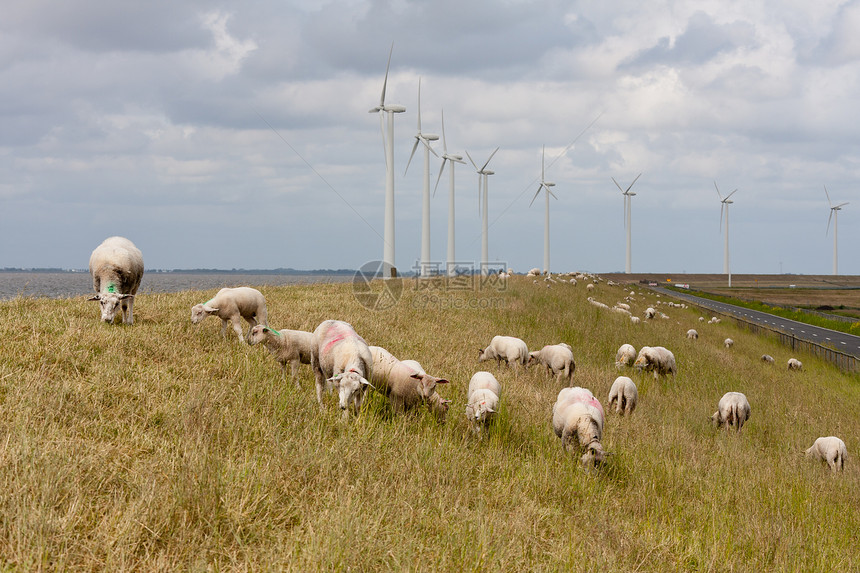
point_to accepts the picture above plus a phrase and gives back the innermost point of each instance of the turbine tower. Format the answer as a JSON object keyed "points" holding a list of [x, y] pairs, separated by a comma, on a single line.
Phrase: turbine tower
{"points": [[544, 184], [483, 185], [628, 207], [424, 138], [388, 145], [834, 214], [453, 159], [725, 207]]}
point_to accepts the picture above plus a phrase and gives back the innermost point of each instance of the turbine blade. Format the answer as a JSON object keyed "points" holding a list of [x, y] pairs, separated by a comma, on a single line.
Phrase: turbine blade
{"points": [[427, 143], [542, 157], [718, 190], [551, 193], [841, 205], [828, 196], [385, 82], [473, 164], [536, 194], [441, 169], [634, 181], [489, 158], [411, 155], [616, 184], [444, 143], [729, 195], [828, 223]]}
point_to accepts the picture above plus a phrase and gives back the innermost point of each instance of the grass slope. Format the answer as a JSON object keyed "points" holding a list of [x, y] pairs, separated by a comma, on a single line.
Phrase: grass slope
{"points": [[163, 447]]}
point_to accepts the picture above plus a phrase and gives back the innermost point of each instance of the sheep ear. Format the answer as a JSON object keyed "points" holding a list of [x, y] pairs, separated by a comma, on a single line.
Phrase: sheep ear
{"points": [[122, 296], [96, 297], [366, 383], [209, 309], [491, 411], [441, 381]]}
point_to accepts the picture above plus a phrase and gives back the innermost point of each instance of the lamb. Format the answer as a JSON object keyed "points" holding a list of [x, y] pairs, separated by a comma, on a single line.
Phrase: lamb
{"points": [[624, 394], [483, 399], [341, 360], [577, 418], [405, 385], [508, 348], [116, 266], [229, 305], [767, 358], [795, 364], [729, 342], [656, 359], [625, 356], [287, 346], [558, 360], [830, 450], [692, 334], [733, 409]]}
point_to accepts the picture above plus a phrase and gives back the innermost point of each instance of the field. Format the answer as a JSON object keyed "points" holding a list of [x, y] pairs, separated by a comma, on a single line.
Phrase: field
{"points": [[163, 447]]}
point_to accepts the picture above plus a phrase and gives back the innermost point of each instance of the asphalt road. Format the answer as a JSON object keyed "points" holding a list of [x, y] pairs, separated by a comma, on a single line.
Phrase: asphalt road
{"points": [[847, 343]]}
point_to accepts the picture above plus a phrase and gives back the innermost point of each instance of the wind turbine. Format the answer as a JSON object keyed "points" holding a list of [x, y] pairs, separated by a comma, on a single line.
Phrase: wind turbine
{"points": [[628, 207], [388, 145], [424, 138], [725, 207], [483, 185], [544, 184], [834, 214], [453, 159]]}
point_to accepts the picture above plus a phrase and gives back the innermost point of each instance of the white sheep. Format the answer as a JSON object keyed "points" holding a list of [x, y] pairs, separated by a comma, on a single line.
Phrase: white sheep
{"points": [[692, 334], [482, 401], [624, 394], [767, 358], [577, 418], [436, 403], [795, 364], [589, 287], [733, 409], [508, 348], [729, 342], [635, 319], [287, 346], [650, 312], [116, 266], [657, 359], [701, 319], [229, 305], [830, 450], [341, 360], [623, 305], [405, 385], [557, 359], [625, 356]]}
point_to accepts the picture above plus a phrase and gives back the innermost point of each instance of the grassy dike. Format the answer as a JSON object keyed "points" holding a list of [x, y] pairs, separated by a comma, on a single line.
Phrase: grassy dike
{"points": [[161, 446]]}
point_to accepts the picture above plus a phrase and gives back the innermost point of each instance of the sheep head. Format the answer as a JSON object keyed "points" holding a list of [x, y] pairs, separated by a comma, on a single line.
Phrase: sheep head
{"points": [[201, 311], [350, 388], [110, 303]]}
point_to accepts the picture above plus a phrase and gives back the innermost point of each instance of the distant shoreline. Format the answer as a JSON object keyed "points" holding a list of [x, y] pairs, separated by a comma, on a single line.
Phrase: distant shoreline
{"points": [[280, 271]]}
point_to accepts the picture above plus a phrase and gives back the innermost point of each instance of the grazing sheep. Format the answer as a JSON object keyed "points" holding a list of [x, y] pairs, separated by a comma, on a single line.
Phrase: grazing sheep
{"points": [[625, 356], [635, 319], [558, 360], [341, 360], [405, 385], [436, 403], [117, 268], [795, 364], [701, 319], [692, 334], [623, 305], [229, 305], [656, 359], [624, 394], [508, 348], [650, 312], [733, 409], [830, 450], [482, 399], [287, 346], [767, 358], [577, 418], [589, 287], [729, 342]]}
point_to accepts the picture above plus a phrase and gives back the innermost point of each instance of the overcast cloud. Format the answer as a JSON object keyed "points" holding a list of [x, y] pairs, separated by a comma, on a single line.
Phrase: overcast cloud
{"points": [[236, 135]]}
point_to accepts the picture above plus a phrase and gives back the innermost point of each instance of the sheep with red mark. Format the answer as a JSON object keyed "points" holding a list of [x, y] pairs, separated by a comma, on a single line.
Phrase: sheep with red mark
{"points": [[577, 418], [342, 361]]}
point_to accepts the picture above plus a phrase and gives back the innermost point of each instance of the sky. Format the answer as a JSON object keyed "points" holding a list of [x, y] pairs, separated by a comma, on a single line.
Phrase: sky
{"points": [[237, 134]]}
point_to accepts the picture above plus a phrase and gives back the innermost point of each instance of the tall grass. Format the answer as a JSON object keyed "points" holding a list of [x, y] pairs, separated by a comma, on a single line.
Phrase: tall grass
{"points": [[161, 446]]}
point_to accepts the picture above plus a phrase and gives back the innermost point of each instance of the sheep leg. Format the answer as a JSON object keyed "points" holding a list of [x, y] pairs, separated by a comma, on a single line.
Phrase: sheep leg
{"points": [[224, 328], [294, 370], [251, 324], [237, 328], [127, 314]]}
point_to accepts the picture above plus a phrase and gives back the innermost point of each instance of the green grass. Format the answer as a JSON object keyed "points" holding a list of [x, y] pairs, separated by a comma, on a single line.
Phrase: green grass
{"points": [[777, 310], [161, 446]]}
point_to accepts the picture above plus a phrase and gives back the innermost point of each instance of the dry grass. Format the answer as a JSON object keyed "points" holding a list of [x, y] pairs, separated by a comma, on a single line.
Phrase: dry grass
{"points": [[163, 447]]}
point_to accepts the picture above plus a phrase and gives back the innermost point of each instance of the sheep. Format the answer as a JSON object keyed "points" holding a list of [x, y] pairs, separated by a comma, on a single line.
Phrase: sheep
{"points": [[624, 394], [533, 272], [508, 348], [795, 364], [482, 401], [405, 385], [656, 359], [589, 287], [729, 342], [733, 409], [701, 319], [287, 346], [635, 319], [229, 305], [437, 404], [577, 418], [767, 358], [597, 303], [692, 334], [623, 305], [650, 312], [625, 356], [116, 266], [558, 360], [830, 450], [341, 360]]}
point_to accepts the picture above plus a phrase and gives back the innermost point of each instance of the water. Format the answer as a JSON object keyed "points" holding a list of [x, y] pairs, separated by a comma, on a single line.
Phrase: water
{"points": [[66, 285]]}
